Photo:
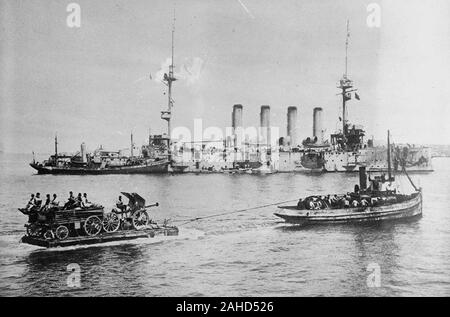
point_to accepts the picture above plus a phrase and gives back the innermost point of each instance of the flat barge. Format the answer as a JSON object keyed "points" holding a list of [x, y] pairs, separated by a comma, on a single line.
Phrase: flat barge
{"points": [[101, 238], [63, 227]]}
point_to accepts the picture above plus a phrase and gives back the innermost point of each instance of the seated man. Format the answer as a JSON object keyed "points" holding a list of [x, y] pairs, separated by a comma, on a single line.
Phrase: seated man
{"points": [[37, 202], [364, 202], [390, 188], [334, 200], [317, 205], [46, 206], [300, 204], [30, 204], [346, 203], [54, 203], [85, 203], [78, 201], [70, 202], [309, 204], [121, 205], [329, 201], [374, 201]]}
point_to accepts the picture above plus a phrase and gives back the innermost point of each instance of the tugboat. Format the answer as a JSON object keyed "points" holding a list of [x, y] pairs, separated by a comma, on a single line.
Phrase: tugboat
{"points": [[60, 227], [377, 203]]}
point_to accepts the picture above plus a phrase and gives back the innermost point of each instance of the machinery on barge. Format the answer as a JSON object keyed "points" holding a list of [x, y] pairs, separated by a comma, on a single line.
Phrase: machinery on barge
{"points": [[60, 227]]}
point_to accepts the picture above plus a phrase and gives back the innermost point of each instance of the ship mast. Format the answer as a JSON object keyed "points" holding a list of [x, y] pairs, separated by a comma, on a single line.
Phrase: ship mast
{"points": [[346, 85], [56, 148], [346, 48], [389, 156], [168, 79], [132, 145]]}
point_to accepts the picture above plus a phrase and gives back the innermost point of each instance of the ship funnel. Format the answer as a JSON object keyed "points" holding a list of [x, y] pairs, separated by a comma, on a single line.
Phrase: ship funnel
{"points": [[292, 126], [236, 122], [236, 117], [83, 153], [265, 124], [362, 178], [317, 124]]}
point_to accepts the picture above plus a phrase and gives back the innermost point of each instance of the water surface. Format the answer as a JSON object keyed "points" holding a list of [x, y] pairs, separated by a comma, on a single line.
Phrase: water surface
{"points": [[246, 254]]}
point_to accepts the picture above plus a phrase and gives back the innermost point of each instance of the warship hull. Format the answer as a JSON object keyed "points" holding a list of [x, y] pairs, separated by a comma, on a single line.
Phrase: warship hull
{"points": [[138, 169], [375, 160]]}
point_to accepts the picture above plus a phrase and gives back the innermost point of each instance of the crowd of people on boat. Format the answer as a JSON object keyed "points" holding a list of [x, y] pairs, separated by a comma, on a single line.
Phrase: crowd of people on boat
{"points": [[36, 204], [354, 199], [340, 202]]}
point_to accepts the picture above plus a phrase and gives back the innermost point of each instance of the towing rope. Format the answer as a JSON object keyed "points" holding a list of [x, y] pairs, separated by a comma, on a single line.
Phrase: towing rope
{"points": [[234, 212]]}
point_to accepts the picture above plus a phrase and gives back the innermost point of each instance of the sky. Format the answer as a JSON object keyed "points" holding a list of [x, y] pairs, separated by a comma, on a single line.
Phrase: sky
{"points": [[92, 84]]}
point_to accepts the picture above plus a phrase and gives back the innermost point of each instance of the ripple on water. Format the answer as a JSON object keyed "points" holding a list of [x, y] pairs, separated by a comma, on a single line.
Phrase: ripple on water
{"points": [[243, 254]]}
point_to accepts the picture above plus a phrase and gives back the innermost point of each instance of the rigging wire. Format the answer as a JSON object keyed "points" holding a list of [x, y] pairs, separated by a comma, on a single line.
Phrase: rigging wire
{"points": [[405, 171], [234, 212]]}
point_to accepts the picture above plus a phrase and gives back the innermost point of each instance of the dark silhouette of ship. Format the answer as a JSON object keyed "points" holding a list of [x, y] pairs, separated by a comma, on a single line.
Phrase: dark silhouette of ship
{"points": [[156, 157]]}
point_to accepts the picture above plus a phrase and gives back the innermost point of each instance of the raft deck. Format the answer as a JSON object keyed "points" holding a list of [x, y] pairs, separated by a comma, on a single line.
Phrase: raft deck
{"points": [[101, 238]]}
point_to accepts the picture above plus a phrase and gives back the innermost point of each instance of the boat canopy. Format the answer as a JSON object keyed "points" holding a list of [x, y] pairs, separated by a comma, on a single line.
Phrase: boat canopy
{"points": [[135, 199]]}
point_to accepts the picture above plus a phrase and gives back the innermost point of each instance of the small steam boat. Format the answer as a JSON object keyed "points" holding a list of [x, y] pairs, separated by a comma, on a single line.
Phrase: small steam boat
{"points": [[378, 202]]}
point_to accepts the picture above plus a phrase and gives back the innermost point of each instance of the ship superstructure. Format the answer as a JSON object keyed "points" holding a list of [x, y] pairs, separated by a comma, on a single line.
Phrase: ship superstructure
{"points": [[343, 151], [349, 151]]}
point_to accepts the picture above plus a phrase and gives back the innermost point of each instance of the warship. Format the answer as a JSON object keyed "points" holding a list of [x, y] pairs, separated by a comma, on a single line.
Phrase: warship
{"points": [[344, 151]]}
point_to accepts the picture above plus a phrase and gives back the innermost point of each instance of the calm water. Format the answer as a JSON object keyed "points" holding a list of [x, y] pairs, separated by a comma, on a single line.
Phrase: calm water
{"points": [[245, 254]]}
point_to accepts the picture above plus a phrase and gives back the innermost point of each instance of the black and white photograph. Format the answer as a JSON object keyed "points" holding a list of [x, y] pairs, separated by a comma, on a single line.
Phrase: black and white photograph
{"points": [[224, 148]]}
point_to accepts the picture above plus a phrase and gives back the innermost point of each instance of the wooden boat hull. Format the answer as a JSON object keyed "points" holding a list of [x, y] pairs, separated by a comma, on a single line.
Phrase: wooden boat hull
{"points": [[101, 238], [403, 210], [139, 169]]}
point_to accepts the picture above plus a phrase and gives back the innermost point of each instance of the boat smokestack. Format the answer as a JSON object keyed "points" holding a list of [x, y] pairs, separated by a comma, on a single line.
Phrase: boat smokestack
{"points": [[236, 122], [362, 178], [265, 124], [236, 117], [292, 126], [317, 124], [83, 153]]}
